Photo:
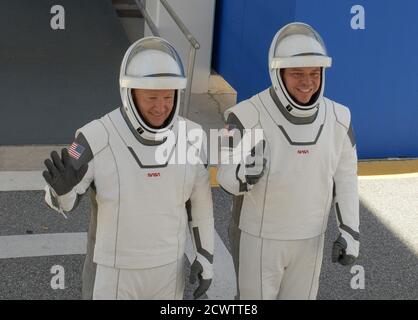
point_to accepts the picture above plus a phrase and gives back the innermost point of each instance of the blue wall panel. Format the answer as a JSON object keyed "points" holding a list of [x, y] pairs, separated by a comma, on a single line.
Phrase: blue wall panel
{"points": [[374, 72], [243, 33]]}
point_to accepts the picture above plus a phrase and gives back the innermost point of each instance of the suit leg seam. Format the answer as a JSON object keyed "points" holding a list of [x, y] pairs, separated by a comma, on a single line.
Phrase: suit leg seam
{"points": [[316, 265]]}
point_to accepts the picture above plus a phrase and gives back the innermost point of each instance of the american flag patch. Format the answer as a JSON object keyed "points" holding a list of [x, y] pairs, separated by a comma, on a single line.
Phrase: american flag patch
{"points": [[76, 150]]}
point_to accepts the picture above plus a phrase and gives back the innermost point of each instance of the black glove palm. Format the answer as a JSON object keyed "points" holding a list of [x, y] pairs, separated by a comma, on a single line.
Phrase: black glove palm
{"points": [[61, 175], [339, 253], [255, 165], [204, 284]]}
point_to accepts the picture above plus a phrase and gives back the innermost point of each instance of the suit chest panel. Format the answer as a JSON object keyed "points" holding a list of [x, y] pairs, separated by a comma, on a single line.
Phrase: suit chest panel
{"points": [[295, 150], [133, 170]]}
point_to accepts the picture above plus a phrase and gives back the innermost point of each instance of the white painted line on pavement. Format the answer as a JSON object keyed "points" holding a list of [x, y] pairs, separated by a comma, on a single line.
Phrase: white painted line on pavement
{"points": [[21, 180], [39, 245], [223, 285], [55, 244], [390, 176], [395, 206]]}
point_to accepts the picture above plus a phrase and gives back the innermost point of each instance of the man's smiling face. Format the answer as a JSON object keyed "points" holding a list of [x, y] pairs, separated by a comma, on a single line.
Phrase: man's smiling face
{"points": [[302, 83]]}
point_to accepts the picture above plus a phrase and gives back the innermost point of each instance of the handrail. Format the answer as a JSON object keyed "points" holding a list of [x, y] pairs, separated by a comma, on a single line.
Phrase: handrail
{"points": [[193, 42], [181, 25], [147, 18]]}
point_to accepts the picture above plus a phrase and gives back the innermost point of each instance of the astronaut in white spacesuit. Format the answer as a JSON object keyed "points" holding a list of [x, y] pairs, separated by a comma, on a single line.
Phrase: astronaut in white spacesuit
{"points": [[141, 202], [284, 190]]}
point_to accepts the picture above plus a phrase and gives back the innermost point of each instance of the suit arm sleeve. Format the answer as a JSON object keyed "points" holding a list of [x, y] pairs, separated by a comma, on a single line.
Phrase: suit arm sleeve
{"points": [[346, 194], [227, 175], [200, 216]]}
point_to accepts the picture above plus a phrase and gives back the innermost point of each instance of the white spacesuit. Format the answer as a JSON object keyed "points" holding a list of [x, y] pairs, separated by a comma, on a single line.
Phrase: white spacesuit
{"points": [[280, 213], [142, 197]]}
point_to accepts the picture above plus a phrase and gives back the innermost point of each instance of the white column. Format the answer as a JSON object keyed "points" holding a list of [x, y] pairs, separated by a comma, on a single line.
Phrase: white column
{"points": [[198, 16]]}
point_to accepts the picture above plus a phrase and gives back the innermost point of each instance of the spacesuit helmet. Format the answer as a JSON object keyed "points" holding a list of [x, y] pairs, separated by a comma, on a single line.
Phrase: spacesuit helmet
{"points": [[151, 63], [297, 45]]}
